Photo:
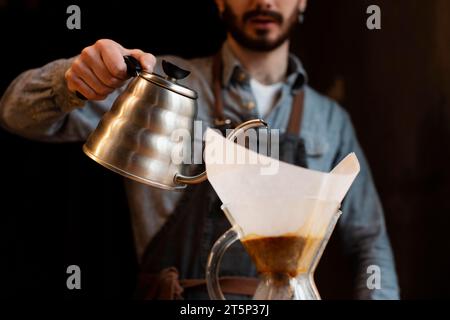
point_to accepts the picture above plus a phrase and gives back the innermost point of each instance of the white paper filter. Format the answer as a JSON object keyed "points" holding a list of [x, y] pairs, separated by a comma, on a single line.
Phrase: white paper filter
{"points": [[290, 200]]}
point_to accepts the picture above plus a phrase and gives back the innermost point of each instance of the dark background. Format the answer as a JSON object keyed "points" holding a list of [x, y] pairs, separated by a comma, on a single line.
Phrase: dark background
{"points": [[58, 208]]}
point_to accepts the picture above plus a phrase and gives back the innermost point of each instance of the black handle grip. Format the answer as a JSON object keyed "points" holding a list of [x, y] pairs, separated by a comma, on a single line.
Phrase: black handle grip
{"points": [[133, 66], [174, 71]]}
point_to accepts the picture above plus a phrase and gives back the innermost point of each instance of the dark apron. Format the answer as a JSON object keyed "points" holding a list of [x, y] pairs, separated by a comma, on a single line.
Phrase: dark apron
{"points": [[173, 265]]}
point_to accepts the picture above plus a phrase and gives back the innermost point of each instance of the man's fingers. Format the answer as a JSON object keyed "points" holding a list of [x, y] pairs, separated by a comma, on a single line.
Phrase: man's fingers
{"points": [[75, 83], [83, 72], [101, 68], [93, 59], [146, 60], [112, 54]]}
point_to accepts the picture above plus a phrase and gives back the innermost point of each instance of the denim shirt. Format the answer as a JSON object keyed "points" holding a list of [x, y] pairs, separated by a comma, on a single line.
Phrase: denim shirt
{"points": [[38, 105]]}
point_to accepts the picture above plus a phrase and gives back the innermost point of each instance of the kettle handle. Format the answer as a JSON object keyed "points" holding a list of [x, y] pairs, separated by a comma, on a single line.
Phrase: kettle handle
{"points": [[133, 66], [255, 123]]}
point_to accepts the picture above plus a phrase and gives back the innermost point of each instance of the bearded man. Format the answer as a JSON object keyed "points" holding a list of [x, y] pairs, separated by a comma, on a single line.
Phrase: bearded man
{"points": [[252, 76]]}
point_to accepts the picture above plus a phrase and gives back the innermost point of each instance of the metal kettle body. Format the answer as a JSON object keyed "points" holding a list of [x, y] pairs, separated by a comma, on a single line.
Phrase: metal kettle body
{"points": [[135, 138]]}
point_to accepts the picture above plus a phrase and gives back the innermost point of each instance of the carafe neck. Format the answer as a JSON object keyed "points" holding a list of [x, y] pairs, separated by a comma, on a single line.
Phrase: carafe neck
{"points": [[285, 287]]}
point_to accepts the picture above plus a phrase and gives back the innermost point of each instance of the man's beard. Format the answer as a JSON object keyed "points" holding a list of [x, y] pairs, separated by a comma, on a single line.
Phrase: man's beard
{"points": [[260, 43]]}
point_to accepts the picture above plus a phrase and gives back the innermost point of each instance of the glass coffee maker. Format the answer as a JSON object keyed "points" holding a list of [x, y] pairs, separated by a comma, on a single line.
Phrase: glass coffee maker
{"points": [[286, 249], [284, 216]]}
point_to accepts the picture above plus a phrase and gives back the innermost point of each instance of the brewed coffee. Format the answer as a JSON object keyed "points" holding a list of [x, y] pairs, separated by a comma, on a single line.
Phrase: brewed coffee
{"points": [[287, 254]]}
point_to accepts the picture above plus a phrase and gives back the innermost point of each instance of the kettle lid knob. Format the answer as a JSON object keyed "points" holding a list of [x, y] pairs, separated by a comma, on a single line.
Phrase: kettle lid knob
{"points": [[174, 72]]}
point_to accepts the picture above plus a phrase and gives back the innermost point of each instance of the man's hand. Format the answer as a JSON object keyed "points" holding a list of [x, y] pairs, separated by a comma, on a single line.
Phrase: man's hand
{"points": [[100, 69]]}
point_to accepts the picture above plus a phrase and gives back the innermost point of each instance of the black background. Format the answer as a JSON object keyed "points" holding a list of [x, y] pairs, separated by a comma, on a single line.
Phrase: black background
{"points": [[58, 208]]}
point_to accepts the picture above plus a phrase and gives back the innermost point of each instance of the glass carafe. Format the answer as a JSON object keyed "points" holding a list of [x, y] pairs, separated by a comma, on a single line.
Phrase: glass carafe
{"points": [[285, 262]]}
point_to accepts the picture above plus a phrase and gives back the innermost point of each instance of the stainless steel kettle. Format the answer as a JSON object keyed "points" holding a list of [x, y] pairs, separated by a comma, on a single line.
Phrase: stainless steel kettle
{"points": [[134, 138]]}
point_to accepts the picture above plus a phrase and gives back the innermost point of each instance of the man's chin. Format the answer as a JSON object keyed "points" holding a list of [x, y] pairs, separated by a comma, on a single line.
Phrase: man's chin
{"points": [[269, 41], [263, 41], [260, 43], [260, 46], [262, 34]]}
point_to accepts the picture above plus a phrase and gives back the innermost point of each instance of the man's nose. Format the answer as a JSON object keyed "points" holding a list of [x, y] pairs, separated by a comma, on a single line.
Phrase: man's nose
{"points": [[264, 4]]}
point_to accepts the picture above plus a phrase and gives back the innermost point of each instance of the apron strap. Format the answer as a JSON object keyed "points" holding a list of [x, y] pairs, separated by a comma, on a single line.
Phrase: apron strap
{"points": [[166, 285], [229, 285], [219, 118], [295, 118]]}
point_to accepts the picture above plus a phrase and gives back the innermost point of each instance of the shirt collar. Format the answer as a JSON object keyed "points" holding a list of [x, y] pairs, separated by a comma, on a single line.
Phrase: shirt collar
{"points": [[232, 68]]}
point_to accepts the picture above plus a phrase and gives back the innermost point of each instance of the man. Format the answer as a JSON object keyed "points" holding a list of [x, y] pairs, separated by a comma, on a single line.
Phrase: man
{"points": [[256, 77]]}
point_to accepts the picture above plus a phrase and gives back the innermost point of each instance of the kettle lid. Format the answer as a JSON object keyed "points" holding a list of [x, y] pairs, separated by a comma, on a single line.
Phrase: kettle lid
{"points": [[174, 73]]}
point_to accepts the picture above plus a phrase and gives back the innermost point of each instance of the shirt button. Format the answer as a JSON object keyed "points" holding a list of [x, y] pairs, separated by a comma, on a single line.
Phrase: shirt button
{"points": [[250, 105]]}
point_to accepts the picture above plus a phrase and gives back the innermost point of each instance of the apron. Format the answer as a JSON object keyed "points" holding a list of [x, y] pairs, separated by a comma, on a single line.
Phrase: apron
{"points": [[173, 265]]}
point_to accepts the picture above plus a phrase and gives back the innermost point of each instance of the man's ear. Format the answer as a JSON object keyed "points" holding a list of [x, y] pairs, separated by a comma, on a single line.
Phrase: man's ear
{"points": [[220, 5], [301, 5]]}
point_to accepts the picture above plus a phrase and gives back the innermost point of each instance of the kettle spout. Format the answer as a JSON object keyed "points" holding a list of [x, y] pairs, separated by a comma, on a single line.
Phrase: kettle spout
{"points": [[255, 123]]}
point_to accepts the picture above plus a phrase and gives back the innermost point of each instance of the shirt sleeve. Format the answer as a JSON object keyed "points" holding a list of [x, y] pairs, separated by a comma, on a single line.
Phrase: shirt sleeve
{"points": [[363, 229], [38, 105]]}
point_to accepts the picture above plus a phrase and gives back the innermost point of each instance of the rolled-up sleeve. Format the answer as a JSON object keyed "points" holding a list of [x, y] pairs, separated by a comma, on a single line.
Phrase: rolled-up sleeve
{"points": [[38, 105]]}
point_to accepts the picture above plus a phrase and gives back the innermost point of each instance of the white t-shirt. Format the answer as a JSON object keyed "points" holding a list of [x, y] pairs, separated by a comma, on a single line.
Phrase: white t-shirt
{"points": [[265, 95]]}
